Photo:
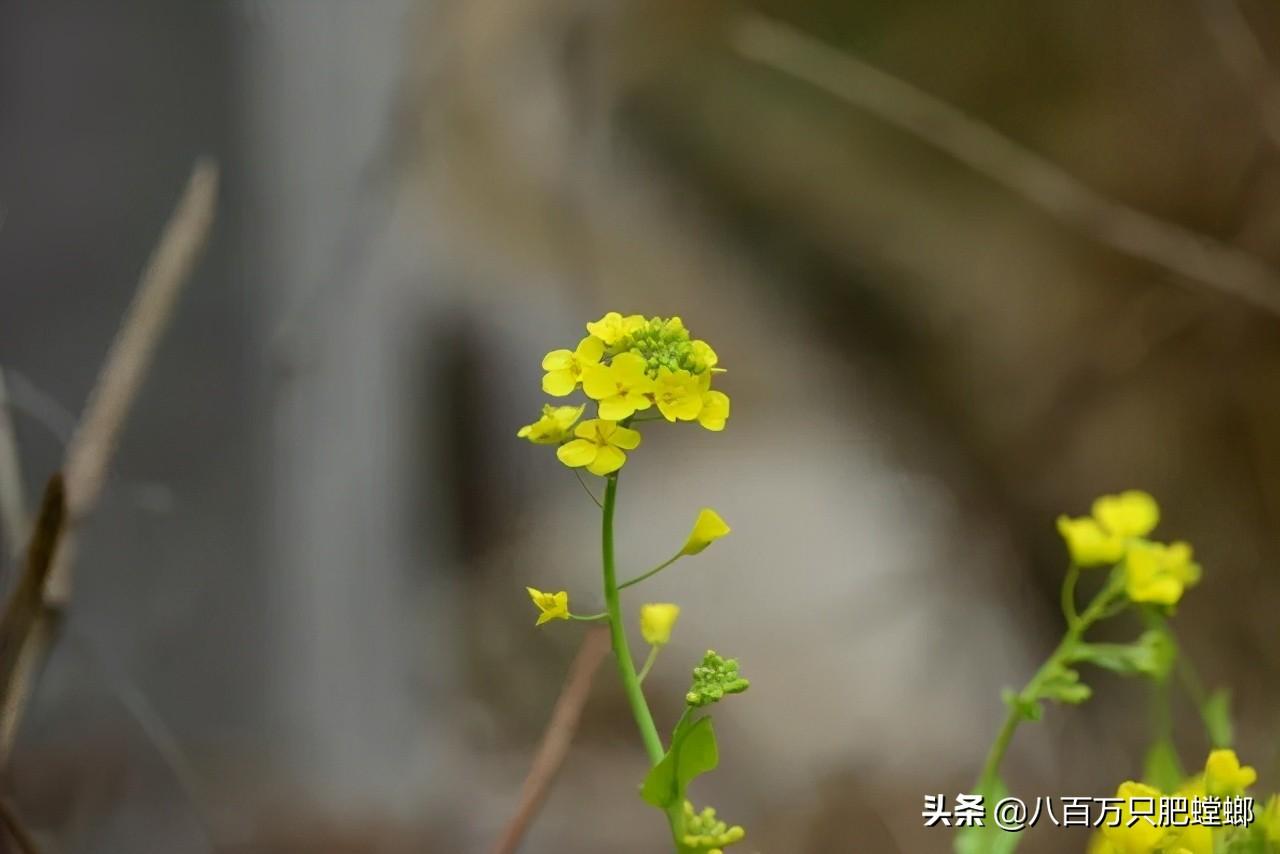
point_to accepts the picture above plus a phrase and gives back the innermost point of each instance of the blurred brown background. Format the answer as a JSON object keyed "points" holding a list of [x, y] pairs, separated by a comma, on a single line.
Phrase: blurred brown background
{"points": [[308, 570]]}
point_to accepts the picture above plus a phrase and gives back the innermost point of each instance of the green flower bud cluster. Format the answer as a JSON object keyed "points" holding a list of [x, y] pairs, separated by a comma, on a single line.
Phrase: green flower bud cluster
{"points": [[703, 832], [665, 343], [713, 679]]}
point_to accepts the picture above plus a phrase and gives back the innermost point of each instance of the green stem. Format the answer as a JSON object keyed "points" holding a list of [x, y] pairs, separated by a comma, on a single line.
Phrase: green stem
{"points": [[589, 618], [622, 653], [624, 585], [1029, 694], [648, 663], [617, 630]]}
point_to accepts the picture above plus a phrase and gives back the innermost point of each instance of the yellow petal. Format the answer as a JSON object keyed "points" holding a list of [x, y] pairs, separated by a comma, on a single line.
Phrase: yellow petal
{"points": [[559, 383], [1224, 776], [597, 382], [708, 528], [1088, 543], [590, 350], [607, 460], [715, 410], [625, 438], [656, 622], [616, 408], [557, 360], [578, 453], [1130, 514]]}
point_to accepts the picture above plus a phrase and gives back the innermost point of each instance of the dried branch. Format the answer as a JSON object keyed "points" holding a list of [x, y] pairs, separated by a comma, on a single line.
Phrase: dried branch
{"points": [[1041, 182], [1243, 54], [24, 647], [557, 737], [13, 512], [15, 827], [24, 607]]}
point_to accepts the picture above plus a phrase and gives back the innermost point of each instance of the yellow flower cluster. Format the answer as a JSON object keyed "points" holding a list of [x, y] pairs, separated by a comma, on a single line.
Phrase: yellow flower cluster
{"points": [[627, 365], [1115, 533], [1139, 832]]}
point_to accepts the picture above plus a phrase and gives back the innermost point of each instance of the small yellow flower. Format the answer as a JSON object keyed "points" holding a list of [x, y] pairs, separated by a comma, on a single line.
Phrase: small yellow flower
{"points": [[715, 405], [554, 606], [708, 528], [613, 327], [622, 387], [599, 446], [1143, 837], [703, 356], [1088, 543], [564, 367], [554, 425], [677, 394], [1133, 513], [1159, 573], [1224, 776], [656, 622]]}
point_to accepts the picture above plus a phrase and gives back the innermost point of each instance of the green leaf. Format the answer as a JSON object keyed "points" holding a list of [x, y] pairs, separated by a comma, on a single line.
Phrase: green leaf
{"points": [[1216, 713], [1162, 768], [1151, 655], [1063, 685], [693, 753], [988, 839]]}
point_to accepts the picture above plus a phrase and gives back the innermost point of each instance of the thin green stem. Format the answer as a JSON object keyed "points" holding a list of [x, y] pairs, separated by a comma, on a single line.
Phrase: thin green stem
{"points": [[1069, 595], [621, 651], [1030, 693], [648, 662], [624, 585], [590, 618]]}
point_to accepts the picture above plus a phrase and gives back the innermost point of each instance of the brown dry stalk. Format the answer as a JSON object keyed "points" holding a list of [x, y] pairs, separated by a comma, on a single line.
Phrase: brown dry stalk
{"points": [[24, 646], [1034, 178], [556, 738]]}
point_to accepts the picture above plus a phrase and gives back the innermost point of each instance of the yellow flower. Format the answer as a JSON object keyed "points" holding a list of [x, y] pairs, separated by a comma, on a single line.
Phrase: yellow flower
{"points": [[1159, 573], [1193, 838], [1088, 543], [703, 356], [1224, 776], [613, 327], [621, 387], [708, 528], [1143, 837], [677, 394], [554, 606], [715, 405], [656, 622], [599, 446], [1130, 514], [554, 425], [564, 368]]}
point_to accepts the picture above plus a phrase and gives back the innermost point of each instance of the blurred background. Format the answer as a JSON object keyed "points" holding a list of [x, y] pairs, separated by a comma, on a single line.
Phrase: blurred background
{"points": [[1034, 263]]}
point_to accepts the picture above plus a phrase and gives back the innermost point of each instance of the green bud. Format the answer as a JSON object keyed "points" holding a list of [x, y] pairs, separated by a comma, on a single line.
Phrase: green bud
{"points": [[713, 679]]}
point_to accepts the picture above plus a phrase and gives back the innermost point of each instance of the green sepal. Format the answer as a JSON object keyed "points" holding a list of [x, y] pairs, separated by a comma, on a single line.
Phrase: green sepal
{"points": [[693, 753], [989, 839]]}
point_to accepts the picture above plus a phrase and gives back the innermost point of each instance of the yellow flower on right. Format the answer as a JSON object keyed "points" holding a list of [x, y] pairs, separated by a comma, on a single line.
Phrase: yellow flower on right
{"points": [[708, 528]]}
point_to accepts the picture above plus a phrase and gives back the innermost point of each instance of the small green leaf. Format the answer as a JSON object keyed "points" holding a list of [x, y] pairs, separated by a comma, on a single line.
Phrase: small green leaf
{"points": [[1151, 655], [693, 753], [1162, 768], [988, 839], [1216, 713]]}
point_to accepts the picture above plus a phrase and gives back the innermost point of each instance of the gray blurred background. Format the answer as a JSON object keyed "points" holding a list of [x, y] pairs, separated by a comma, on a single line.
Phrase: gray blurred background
{"points": [[308, 571]]}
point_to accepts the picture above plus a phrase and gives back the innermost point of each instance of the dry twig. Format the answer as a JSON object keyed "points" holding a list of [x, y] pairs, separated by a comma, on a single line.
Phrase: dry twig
{"points": [[1244, 56], [1034, 178], [556, 738]]}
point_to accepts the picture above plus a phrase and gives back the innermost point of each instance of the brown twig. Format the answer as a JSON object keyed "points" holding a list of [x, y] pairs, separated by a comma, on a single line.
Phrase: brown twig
{"points": [[556, 738], [13, 512], [94, 441], [1034, 178], [1244, 56]]}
